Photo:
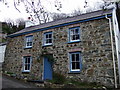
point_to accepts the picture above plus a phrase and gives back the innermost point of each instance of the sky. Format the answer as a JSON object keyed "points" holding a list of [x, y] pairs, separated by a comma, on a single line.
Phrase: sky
{"points": [[67, 7]]}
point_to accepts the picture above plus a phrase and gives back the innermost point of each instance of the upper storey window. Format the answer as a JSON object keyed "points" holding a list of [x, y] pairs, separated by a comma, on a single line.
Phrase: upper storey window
{"points": [[74, 34], [47, 38], [29, 41]]}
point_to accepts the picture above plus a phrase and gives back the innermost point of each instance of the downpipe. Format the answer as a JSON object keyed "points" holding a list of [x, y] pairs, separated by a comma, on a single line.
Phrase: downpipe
{"points": [[113, 57]]}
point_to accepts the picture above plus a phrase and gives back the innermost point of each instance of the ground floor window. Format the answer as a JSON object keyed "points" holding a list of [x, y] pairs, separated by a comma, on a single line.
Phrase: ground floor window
{"points": [[27, 63], [75, 61]]}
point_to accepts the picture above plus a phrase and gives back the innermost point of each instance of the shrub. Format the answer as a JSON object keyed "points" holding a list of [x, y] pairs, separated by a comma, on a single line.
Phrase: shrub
{"points": [[58, 78]]}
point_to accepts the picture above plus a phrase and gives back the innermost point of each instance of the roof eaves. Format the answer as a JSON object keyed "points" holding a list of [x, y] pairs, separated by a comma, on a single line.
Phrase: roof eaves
{"points": [[59, 25]]}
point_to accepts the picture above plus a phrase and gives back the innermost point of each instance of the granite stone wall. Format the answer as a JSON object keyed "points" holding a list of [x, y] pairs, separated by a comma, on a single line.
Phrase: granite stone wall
{"points": [[94, 46]]}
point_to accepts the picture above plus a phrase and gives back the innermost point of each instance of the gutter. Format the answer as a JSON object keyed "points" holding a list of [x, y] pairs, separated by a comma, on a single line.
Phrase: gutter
{"points": [[113, 57]]}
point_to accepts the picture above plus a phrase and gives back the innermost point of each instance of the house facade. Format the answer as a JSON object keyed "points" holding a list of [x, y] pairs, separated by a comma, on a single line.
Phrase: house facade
{"points": [[78, 48]]}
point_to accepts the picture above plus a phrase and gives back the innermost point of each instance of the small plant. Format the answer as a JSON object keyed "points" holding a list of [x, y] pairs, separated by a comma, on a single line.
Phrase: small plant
{"points": [[10, 73], [70, 83], [85, 84], [58, 78]]}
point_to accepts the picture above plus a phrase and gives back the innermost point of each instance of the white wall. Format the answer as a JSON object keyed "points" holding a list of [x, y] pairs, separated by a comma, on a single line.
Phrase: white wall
{"points": [[2, 53]]}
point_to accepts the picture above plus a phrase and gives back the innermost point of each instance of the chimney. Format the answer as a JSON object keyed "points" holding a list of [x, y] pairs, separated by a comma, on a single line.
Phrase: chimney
{"points": [[29, 22]]}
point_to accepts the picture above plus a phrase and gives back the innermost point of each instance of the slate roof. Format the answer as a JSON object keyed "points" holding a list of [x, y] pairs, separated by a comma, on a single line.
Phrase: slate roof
{"points": [[63, 21]]}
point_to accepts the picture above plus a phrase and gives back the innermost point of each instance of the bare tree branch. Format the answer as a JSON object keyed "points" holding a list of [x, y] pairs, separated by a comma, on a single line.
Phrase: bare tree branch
{"points": [[16, 7], [35, 9]]}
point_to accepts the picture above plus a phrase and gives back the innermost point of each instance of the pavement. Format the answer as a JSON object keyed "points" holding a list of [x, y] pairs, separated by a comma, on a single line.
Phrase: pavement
{"points": [[10, 82]]}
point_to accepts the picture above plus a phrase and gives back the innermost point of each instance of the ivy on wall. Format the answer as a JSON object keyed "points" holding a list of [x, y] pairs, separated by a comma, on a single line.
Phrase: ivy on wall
{"points": [[45, 53]]}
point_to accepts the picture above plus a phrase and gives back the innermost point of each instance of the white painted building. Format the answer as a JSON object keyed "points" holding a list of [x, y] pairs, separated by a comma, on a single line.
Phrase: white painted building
{"points": [[2, 52]]}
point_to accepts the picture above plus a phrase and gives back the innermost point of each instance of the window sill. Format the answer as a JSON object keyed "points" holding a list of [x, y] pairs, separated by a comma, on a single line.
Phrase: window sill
{"points": [[74, 72], [27, 47], [26, 72], [47, 45], [73, 42]]}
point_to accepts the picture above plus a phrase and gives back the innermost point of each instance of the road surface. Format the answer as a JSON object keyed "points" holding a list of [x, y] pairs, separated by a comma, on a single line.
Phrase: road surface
{"points": [[10, 82]]}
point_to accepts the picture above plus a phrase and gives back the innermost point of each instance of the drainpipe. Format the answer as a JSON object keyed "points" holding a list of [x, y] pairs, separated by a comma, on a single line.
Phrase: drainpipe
{"points": [[116, 33], [113, 57]]}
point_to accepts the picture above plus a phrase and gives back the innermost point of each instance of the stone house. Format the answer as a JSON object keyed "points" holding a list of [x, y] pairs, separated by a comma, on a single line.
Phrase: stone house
{"points": [[78, 47]]}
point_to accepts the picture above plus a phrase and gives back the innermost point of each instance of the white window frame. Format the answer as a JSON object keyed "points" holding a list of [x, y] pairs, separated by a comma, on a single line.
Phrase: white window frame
{"points": [[72, 33], [24, 63], [28, 39], [45, 39], [71, 62]]}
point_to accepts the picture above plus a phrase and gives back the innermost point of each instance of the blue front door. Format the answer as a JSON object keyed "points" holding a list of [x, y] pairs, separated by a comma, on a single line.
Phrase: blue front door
{"points": [[47, 69]]}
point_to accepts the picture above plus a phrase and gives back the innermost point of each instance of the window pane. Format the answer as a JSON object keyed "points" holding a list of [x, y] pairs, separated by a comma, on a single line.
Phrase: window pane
{"points": [[25, 61], [27, 39], [27, 44], [46, 35], [73, 65], [28, 60], [30, 39], [30, 43], [50, 35], [50, 40], [47, 41], [73, 57], [77, 57], [77, 65], [73, 38], [77, 37], [26, 67], [72, 32], [76, 31]]}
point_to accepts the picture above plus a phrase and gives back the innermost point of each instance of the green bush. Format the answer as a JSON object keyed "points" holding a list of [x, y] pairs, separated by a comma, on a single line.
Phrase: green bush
{"points": [[58, 78], [10, 73]]}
